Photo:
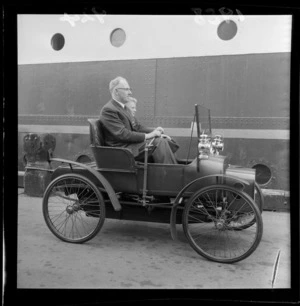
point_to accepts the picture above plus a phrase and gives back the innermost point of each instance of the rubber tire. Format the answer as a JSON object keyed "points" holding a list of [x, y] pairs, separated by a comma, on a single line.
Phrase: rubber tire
{"points": [[262, 200], [203, 253], [46, 215]]}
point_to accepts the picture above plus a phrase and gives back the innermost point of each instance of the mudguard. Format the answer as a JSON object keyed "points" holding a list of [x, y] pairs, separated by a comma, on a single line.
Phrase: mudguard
{"points": [[185, 188], [111, 193]]}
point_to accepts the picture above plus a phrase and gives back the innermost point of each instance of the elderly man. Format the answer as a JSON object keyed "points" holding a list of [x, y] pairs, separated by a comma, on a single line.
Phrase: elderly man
{"points": [[121, 129]]}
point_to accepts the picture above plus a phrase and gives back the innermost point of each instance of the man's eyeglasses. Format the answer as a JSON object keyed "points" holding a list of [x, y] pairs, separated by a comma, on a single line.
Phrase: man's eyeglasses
{"points": [[127, 89]]}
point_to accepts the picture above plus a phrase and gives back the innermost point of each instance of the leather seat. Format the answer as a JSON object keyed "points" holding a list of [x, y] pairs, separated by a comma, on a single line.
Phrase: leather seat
{"points": [[97, 141], [108, 157], [96, 136]]}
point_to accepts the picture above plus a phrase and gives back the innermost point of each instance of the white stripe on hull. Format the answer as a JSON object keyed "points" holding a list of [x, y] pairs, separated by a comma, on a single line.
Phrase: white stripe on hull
{"points": [[275, 192], [173, 132]]}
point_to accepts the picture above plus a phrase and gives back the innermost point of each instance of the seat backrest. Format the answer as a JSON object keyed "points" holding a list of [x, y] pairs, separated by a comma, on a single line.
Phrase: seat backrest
{"points": [[113, 158], [108, 157], [96, 135]]}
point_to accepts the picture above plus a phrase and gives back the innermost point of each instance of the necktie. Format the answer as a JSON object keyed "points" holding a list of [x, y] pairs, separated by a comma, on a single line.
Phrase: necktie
{"points": [[131, 118], [127, 110]]}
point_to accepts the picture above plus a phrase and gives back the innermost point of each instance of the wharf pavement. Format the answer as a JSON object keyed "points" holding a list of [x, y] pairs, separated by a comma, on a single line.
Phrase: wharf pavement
{"points": [[142, 255]]}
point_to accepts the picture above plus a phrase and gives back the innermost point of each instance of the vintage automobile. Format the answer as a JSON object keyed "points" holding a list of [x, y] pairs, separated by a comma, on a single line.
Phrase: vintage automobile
{"points": [[218, 205]]}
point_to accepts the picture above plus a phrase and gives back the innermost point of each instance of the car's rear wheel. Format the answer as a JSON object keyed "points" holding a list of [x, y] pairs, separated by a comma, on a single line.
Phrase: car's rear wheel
{"points": [[73, 208], [210, 220]]}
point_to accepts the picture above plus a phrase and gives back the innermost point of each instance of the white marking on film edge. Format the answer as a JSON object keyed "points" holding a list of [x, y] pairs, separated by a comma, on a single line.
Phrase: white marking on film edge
{"points": [[35, 33], [173, 132]]}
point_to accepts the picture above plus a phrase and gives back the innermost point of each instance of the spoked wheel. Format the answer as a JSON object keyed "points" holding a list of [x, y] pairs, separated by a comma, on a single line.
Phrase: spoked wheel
{"points": [[73, 208], [210, 219], [259, 201], [259, 197]]}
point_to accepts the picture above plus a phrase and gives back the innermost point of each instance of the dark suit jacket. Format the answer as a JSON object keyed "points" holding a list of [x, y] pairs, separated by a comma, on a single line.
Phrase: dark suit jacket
{"points": [[121, 129]]}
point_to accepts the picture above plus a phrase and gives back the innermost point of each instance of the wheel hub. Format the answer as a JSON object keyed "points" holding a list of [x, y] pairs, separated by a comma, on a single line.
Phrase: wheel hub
{"points": [[72, 208], [220, 224], [69, 209]]}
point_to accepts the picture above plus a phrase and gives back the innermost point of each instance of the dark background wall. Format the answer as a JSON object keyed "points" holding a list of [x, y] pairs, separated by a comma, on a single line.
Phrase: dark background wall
{"points": [[251, 85], [248, 91]]}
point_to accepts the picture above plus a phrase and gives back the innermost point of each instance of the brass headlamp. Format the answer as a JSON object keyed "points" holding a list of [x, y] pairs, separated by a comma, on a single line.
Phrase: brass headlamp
{"points": [[209, 146], [217, 144]]}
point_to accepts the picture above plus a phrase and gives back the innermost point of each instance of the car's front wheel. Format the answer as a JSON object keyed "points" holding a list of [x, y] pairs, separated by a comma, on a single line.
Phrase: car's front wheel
{"points": [[211, 217]]}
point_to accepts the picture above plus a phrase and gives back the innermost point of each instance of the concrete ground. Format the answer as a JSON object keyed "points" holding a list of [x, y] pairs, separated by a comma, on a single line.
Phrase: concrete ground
{"points": [[131, 254]]}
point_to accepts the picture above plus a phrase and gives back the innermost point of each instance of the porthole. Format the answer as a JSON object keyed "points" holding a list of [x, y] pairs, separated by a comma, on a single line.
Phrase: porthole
{"points": [[57, 41], [227, 29], [263, 174], [117, 37]]}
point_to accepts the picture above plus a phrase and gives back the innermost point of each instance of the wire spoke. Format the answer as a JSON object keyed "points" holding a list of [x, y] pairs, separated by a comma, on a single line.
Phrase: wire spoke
{"points": [[212, 231], [74, 208]]}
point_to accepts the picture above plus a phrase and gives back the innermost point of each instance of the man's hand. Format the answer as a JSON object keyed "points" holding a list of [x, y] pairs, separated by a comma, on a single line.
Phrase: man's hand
{"points": [[160, 129], [165, 136], [153, 134]]}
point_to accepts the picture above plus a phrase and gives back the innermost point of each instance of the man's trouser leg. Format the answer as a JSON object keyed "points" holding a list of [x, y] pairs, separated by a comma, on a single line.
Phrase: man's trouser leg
{"points": [[163, 153]]}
